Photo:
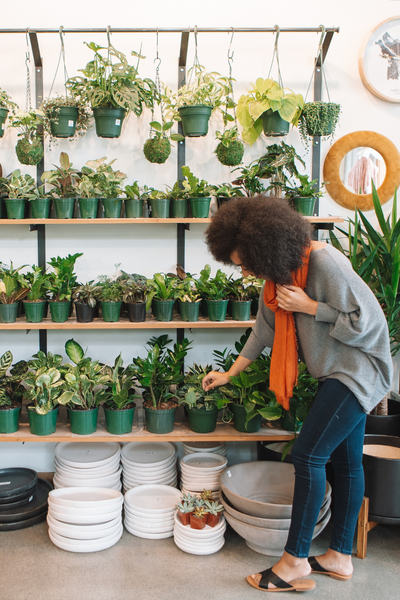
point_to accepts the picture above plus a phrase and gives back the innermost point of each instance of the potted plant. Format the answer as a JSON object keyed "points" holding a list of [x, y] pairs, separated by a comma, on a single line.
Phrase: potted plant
{"points": [[318, 119], [240, 299], [214, 511], [278, 165], [85, 298], [230, 149], [162, 296], [65, 117], [268, 107], [119, 405], [185, 508], [11, 392], [6, 105], [29, 148], [199, 193], [159, 204], [110, 296], [63, 180], [156, 373], [113, 89], [179, 200], [134, 296], [304, 195], [248, 181], [107, 183], [17, 187], [46, 389], [84, 381], [189, 299], [88, 193], [158, 147], [60, 284], [135, 198], [35, 303], [299, 405], [215, 291], [13, 288], [40, 202], [226, 192], [254, 287], [198, 519]]}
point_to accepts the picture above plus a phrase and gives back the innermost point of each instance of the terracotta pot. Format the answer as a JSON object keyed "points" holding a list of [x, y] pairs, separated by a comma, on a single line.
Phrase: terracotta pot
{"points": [[184, 517], [196, 523], [213, 520]]}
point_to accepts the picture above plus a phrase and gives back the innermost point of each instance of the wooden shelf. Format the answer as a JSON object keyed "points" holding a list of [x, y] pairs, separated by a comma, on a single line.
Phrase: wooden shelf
{"points": [[150, 323], [125, 221], [181, 433]]}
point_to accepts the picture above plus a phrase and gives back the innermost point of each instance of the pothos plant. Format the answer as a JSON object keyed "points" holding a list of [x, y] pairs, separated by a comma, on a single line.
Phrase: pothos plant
{"points": [[17, 185], [103, 178], [46, 389], [29, 148]]}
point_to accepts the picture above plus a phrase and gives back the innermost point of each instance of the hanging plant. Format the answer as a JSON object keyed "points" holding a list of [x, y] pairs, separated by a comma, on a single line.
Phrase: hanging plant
{"points": [[6, 105], [230, 149], [318, 119], [29, 148], [53, 121]]}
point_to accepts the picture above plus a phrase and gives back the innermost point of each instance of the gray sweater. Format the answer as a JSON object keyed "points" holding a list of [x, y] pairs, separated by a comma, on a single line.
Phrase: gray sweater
{"points": [[348, 337]]}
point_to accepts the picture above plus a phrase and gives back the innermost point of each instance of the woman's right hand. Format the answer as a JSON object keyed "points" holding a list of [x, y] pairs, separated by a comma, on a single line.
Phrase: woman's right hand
{"points": [[214, 379]]}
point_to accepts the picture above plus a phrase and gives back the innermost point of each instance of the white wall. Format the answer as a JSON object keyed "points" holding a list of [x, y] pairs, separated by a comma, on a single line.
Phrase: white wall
{"points": [[147, 249]]}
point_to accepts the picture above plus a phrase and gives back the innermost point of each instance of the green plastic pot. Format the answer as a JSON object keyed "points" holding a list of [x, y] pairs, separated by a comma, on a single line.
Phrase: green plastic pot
{"points": [[273, 124], [195, 120], [163, 309], [288, 423], [83, 422], [189, 311], [35, 311], [15, 208], [305, 206], [200, 207], [112, 207], [133, 208], [88, 207], [119, 422], [111, 311], [180, 208], [9, 312], [64, 207], [3, 118], [9, 419], [59, 311], [239, 419], [202, 420], [40, 208], [160, 208], [108, 121], [241, 310], [2, 209], [42, 424], [217, 309], [65, 122], [160, 421]]}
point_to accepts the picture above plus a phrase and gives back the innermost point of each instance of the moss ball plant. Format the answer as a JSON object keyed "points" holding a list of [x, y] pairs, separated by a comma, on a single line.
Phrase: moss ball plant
{"points": [[157, 150], [230, 155], [29, 153], [318, 119]]}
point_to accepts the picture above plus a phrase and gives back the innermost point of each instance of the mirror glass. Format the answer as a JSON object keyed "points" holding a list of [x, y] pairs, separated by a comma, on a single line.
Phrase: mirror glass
{"points": [[359, 166]]}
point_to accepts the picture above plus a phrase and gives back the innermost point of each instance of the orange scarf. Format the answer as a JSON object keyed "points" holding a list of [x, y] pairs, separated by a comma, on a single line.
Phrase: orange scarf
{"points": [[284, 359]]}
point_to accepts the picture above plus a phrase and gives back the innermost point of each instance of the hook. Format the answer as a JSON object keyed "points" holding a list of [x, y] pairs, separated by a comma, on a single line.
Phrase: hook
{"points": [[322, 27], [61, 32], [278, 30], [27, 53], [230, 53]]}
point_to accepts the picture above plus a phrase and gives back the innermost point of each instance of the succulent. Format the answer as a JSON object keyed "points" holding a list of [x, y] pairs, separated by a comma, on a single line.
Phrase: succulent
{"points": [[213, 508], [185, 507]]}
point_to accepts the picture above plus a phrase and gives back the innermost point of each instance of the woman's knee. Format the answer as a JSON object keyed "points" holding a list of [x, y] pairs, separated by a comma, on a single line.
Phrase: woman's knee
{"points": [[303, 456]]}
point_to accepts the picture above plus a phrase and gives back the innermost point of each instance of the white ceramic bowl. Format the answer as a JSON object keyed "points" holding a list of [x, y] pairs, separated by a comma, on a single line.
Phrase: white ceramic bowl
{"points": [[190, 550], [148, 529], [207, 532], [108, 481], [90, 510]]}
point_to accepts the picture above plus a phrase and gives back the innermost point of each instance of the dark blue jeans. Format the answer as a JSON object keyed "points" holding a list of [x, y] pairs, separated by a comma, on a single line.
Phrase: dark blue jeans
{"points": [[334, 429]]}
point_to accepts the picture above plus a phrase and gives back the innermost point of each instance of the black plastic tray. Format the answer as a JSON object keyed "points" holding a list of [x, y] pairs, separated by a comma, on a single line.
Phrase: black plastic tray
{"points": [[24, 524], [37, 505], [16, 504], [16, 481]]}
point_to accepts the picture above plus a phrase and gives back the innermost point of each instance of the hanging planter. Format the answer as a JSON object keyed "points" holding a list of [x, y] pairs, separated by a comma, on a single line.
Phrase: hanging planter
{"points": [[230, 154], [318, 119], [88, 207], [65, 117], [29, 152], [6, 105], [63, 121], [108, 121], [35, 311], [195, 120], [273, 124], [157, 149]]}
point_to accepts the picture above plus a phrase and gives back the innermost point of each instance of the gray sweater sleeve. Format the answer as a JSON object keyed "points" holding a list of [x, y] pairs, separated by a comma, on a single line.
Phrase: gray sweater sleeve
{"points": [[263, 332]]}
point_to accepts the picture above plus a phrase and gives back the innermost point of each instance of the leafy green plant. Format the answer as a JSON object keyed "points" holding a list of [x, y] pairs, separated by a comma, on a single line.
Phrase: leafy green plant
{"points": [[51, 110], [161, 287], [38, 194], [29, 147], [227, 190], [158, 147], [306, 189], [13, 286], [230, 149], [318, 119], [213, 508], [11, 389], [134, 286], [86, 293], [278, 165], [265, 95], [63, 179], [36, 281], [6, 102], [49, 361], [120, 394], [194, 187], [239, 289], [18, 185], [192, 394], [186, 290], [248, 180], [176, 192], [110, 290], [253, 286], [185, 507], [45, 389], [101, 179], [62, 280], [134, 192], [212, 288]]}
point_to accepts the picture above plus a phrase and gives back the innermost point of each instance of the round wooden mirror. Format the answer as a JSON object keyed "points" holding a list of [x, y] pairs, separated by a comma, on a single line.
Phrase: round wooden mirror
{"points": [[353, 161]]}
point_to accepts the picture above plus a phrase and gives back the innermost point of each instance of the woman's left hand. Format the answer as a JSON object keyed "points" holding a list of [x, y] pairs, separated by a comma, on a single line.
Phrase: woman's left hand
{"points": [[294, 299]]}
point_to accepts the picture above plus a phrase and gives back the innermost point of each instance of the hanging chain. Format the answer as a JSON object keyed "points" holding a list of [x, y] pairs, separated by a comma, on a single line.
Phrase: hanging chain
{"points": [[28, 101], [276, 55], [158, 86], [320, 53], [230, 61], [62, 56]]}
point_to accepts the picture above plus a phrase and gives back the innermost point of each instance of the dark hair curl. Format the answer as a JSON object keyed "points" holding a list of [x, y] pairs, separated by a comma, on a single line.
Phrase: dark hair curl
{"points": [[268, 235]]}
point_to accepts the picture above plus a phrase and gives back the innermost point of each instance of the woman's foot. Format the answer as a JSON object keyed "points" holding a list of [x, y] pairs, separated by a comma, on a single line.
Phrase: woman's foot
{"points": [[287, 568], [336, 563]]}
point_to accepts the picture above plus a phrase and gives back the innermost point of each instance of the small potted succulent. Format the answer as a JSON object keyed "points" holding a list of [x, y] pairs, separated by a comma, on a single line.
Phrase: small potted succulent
{"points": [[63, 181], [199, 192], [162, 295], [318, 119], [11, 392], [134, 295], [35, 303], [186, 507], [135, 199], [230, 149], [65, 117], [17, 187], [198, 519], [85, 298], [110, 296], [13, 288], [214, 511], [6, 105], [118, 401], [60, 284], [29, 148]]}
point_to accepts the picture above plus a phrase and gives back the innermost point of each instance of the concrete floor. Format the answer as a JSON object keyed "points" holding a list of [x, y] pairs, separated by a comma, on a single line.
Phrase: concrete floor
{"points": [[32, 568]]}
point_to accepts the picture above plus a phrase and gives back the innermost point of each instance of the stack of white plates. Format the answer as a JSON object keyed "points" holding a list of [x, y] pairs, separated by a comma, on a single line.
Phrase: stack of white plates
{"points": [[150, 510], [145, 463], [85, 519], [216, 447], [202, 470], [83, 464], [199, 541]]}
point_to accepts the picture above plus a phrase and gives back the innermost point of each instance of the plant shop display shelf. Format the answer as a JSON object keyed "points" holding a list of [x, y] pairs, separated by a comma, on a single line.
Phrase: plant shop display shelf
{"points": [[181, 433], [316, 220]]}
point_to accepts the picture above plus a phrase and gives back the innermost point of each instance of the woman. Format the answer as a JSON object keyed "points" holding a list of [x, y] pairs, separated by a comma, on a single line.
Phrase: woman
{"points": [[312, 299]]}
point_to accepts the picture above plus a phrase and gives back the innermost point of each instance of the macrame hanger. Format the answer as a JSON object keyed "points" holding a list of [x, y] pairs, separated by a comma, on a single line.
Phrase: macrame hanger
{"points": [[28, 102], [230, 61], [320, 53], [62, 56], [276, 55]]}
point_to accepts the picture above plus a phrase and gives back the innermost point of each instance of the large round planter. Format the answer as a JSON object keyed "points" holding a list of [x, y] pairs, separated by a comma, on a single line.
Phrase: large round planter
{"points": [[189, 311], [382, 479], [108, 121], [304, 206], [9, 419], [42, 424], [9, 312], [35, 311], [59, 311], [63, 122], [64, 207], [180, 208], [88, 207], [160, 208], [239, 419], [15, 208], [136, 312], [133, 208], [112, 207], [40, 208], [159, 420], [84, 312], [385, 424], [119, 422], [111, 311], [83, 422], [202, 420], [200, 207], [217, 309], [3, 118], [241, 310], [163, 309], [195, 120], [273, 124]]}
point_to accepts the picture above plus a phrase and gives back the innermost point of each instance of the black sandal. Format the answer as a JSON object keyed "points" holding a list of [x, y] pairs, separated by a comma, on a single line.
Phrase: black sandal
{"points": [[317, 568], [268, 576]]}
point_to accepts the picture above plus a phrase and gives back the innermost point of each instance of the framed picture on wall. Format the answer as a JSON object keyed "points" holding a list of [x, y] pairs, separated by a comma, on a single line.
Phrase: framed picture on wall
{"points": [[379, 61]]}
